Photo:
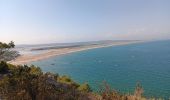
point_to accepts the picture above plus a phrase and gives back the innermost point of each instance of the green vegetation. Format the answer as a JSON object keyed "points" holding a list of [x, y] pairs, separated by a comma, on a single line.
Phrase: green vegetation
{"points": [[84, 87], [6, 54], [30, 83], [4, 67]]}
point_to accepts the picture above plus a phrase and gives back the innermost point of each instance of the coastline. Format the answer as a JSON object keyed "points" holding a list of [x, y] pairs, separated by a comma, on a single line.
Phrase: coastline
{"points": [[25, 58]]}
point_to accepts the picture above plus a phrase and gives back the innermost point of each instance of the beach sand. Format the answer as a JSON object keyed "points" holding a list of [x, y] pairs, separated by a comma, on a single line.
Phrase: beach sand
{"points": [[25, 58]]}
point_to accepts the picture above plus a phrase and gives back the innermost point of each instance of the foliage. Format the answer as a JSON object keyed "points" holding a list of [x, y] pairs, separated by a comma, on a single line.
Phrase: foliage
{"points": [[108, 94], [30, 83], [84, 87], [6, 54], [3, 67], [67, 80], [7, 46]]}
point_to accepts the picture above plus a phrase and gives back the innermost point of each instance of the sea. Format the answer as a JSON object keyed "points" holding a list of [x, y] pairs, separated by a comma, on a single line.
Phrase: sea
{"points": [[121, 67]]}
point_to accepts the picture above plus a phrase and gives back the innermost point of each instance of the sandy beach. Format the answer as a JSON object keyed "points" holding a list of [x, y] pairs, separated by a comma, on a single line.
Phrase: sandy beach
{"points": [[27, 58]]}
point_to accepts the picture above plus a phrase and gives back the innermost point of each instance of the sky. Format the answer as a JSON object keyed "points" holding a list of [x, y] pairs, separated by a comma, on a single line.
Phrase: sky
{"points": [[58, 21]]}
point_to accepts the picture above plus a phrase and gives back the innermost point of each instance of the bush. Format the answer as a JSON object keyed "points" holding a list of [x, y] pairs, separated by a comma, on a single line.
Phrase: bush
{"points": [[84, 87], [30, 83], [3, 67], [67, 80]]}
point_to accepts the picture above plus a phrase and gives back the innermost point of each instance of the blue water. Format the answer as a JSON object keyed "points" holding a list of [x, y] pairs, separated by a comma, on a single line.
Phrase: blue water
{"points": [[120, 66]]}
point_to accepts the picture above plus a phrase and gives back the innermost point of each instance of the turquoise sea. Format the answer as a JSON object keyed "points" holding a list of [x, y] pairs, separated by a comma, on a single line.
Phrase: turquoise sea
{"points": [[120, 66]]}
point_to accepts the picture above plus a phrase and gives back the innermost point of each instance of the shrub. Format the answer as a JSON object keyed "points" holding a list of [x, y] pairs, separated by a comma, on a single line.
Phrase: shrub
{"points": [[3, 67], [30, 83], [84, 87]]}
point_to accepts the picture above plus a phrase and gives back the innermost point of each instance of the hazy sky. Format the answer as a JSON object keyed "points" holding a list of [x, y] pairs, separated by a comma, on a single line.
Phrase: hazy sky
{"points": [[49, 21]]}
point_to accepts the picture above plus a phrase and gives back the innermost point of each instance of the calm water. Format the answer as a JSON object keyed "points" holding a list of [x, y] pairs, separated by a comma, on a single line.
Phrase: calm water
{"points": [[120, 66]]}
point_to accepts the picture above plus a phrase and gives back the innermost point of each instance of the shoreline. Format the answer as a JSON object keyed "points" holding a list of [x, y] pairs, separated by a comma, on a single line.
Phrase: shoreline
{"points": [[25, 59]]}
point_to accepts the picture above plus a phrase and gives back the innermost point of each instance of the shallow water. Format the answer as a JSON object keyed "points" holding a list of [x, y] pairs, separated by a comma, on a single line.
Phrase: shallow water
{"points": [[120, 66]]}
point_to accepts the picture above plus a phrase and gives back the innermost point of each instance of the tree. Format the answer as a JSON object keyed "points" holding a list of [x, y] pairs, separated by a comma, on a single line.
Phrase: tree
{"points": [[6, 52]]}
